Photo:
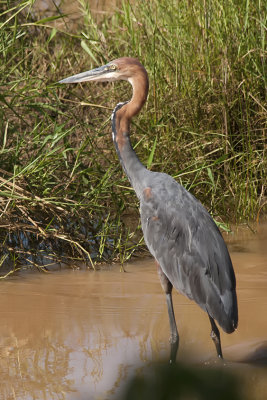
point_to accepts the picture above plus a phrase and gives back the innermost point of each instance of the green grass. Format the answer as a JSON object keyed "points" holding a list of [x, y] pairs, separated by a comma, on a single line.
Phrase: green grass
{"points": [[63, 196]]}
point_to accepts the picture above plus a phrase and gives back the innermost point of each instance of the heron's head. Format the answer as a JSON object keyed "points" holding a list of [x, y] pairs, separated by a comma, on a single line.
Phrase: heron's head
{"points": [[124, 68]]}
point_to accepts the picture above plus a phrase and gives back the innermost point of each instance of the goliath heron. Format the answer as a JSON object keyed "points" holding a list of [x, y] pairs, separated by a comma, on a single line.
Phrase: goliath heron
{"points": [[189, 250]]}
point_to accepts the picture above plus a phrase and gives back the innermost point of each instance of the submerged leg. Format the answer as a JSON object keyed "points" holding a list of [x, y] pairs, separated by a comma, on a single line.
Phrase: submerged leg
{"points": [[174, 338], [215, 335]]}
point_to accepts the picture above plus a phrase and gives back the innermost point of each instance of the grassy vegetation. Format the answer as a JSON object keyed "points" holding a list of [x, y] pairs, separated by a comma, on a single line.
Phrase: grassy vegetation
{"points": [[63, 195]]}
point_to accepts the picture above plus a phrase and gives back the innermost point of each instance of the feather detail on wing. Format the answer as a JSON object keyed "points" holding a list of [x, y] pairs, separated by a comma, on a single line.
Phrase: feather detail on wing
{"points": [[187, 244]]}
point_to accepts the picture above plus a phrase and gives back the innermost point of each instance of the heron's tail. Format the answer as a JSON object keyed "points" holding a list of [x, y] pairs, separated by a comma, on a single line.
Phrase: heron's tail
{"points": [[225, 311]]}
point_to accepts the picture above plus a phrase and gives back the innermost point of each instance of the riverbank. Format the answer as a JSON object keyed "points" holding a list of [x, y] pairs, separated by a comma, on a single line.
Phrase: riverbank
{"points": [[63, 195]]}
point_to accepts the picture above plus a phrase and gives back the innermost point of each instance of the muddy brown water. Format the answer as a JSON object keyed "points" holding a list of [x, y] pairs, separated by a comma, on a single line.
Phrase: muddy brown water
{"points": [[80, 334]]}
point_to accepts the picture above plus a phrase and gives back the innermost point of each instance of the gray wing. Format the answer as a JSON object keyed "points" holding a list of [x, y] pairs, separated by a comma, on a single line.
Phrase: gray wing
{"points": [[187, 244]]}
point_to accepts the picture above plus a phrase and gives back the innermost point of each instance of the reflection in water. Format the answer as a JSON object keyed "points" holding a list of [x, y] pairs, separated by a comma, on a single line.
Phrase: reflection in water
{"points": [[81, 334]]}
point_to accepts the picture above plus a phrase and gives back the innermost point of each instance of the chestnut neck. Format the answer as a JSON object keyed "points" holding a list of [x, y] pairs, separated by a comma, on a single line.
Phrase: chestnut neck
{"points": [[121, 118], [130, 109]]}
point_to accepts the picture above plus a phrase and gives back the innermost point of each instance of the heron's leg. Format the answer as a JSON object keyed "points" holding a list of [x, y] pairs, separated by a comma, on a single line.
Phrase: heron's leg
{"points": [[215, 335], [174, 338]]}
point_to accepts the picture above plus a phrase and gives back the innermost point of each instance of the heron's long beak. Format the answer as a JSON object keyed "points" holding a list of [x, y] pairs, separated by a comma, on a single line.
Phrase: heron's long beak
{"points": [[100, 74]]}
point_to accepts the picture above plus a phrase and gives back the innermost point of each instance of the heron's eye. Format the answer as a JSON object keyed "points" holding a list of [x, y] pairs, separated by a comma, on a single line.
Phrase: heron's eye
{"points": [[112, 67]]}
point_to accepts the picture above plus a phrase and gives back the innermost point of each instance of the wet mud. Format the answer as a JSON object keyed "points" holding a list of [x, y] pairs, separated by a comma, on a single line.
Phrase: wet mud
{"points": [[82, 334]]}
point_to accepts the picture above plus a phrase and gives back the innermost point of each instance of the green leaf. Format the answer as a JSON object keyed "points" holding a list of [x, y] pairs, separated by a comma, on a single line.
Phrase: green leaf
{"points": [[151, 155], [211, 176], [48, 19], [52, 34], [88, 51]]}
